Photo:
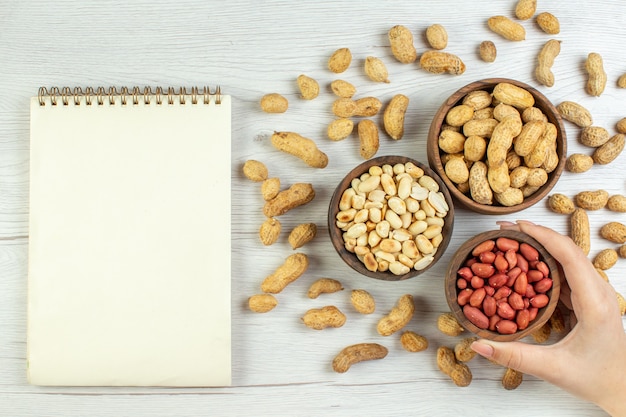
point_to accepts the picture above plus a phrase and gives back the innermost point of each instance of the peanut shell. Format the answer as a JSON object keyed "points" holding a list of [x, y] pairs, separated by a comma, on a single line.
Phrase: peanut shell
{"points": [[401, 41], [605, 259], [340, 129], [578, 162], [575, 113], [274, 103], [439, 62], [610, 150], [340, 60], [614, 231], [617, 203], [591, 200], [262, 303], [580, 231], [302, 234], [413, 342], [512, 379], [506, 28], [309, 88], [548, 23], [437, 36], [376, 70], [560, 203], [342, 88], [362, 301]]}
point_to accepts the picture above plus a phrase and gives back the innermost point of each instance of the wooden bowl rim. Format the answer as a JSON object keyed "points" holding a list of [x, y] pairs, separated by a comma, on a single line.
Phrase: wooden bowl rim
{"points": [[463, 253], [335, 233], [434, 158]]}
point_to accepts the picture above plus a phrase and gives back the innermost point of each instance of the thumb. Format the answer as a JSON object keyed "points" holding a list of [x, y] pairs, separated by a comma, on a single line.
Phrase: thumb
{"points": [[539, 361]]}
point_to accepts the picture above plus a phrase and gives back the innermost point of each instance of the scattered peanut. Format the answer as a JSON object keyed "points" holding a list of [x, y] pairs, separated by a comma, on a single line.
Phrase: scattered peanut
{"points": [[436, 36], [344, 107], [578, 162], [545, 60], [324, 286], [512, 379], [548, 23], [617, 203], [560, 203], [393, 118], [343, 88], [621, 302], [269, 231], [321, 318], [621, 81], [506, 28], [620, 126], [449, 325], [594, 136], [367, 107], [462, 350], [580, 230], [353, 354], [614, 231], [340, 60], [461, 375], [368, 138], [340, 129], [262, 303], [294, 266], [413, 342], [575, 113], [622, 251], [596, 80], [525, 9], [309, 88], [302, 234], [446, 359], [295, 196], [542, 334], [610, 150], [592, 200], [304, 148], [487, 51], [362, 301], [605, 259], [274, 103], [398, 317], [402, 48], [439, 62], [376, 70], [255, 170], [270, 188]]}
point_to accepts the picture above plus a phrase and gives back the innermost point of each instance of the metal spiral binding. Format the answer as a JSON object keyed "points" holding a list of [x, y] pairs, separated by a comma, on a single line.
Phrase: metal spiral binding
{"points": [[100, 95]]}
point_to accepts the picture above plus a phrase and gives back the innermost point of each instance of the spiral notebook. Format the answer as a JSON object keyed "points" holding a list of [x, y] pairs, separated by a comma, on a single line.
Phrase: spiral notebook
{"points": [[129, 251]]}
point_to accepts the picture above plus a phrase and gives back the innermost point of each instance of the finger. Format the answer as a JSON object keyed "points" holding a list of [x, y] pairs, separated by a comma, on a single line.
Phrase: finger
{"points": [[540, 361]]}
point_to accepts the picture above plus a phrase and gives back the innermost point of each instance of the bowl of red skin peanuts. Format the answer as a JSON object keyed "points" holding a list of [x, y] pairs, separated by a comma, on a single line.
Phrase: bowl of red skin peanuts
{"points": [[502, 285]]}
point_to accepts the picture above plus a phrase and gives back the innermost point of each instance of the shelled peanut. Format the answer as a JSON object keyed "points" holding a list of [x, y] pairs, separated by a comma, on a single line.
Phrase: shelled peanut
{"points": [[503, 152], [503, 285], [392, 218]]}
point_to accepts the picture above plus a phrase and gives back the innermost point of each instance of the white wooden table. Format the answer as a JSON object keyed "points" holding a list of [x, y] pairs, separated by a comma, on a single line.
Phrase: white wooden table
{"points": [[251, 48]]}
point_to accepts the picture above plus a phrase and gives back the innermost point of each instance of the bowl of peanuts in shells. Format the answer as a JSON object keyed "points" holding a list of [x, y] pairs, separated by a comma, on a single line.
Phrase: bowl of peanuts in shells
{"points": [[498, 144], [391, 218], [502, 285]]}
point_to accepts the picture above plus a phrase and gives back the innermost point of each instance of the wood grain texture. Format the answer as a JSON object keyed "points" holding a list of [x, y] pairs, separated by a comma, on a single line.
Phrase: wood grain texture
{"points": [[252, 48]]}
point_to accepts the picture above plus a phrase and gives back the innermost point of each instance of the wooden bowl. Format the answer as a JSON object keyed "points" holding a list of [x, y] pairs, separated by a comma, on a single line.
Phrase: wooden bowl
{"points": [[336, 234], [434, 154], [465, 252]]}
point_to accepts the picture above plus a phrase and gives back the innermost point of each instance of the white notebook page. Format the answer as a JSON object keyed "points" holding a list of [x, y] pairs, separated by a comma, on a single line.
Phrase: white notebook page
{"points": [[129, 257]]}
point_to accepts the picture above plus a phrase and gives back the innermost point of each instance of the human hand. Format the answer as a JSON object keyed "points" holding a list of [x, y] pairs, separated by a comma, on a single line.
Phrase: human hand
{"points": [[590, 361]]}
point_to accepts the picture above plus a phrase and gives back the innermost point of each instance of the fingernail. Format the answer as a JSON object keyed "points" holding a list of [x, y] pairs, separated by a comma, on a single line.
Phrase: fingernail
{"points": [[526, 222], [482, 349], [504, 223]]}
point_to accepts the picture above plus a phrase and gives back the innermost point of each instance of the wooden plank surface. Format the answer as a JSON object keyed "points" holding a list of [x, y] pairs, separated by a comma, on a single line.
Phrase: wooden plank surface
{"points": [[249, 49]]}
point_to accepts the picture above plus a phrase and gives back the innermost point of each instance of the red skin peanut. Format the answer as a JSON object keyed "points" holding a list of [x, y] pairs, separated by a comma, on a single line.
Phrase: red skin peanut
{"points": [[522, 319], [476, 300], [522, 262], [530, 292], [521, 283], [465, 272], [483, 270], [511, 258], [486, 246], [470, 262], [487, 257], [505, 310], [534, 275], [498, 280], [461, 284], [532, 311], [501, 263], [502, 292], [476, 317], [539, 301], [504, 244], [489, 290], [543, 286], [516, 301], [489, 306], [528, 252], [506, 327], [543, 267], [493, 321], [477, 282], [464, 296]]}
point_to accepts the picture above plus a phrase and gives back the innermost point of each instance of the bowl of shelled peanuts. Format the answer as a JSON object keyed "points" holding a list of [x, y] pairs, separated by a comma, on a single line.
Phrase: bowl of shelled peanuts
{"points": [[502, 285], [391, 218], [498, 144]]}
